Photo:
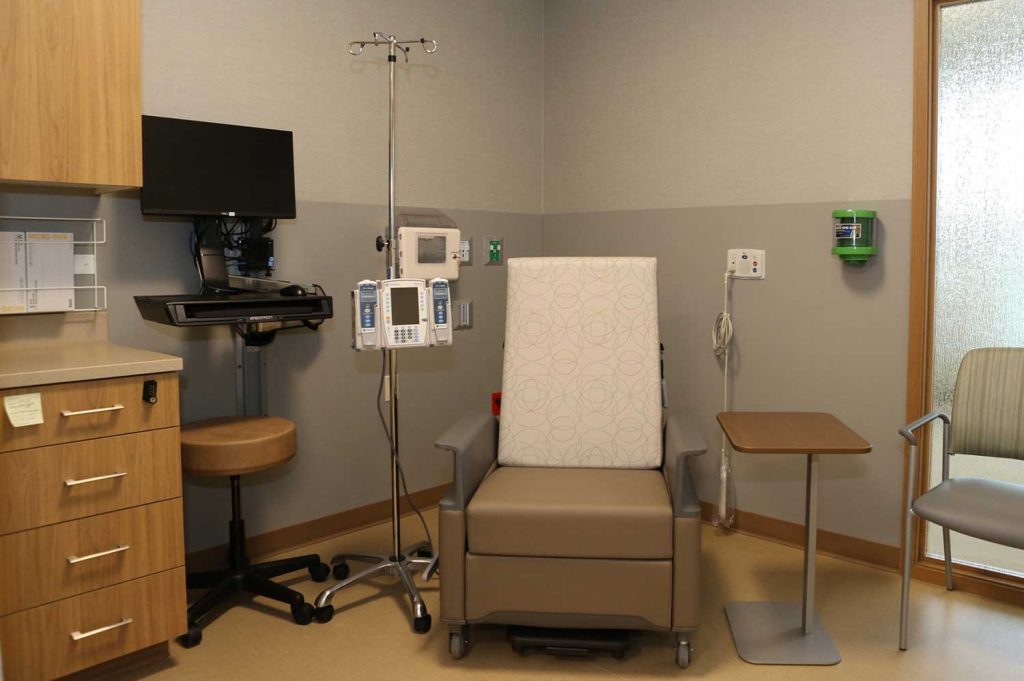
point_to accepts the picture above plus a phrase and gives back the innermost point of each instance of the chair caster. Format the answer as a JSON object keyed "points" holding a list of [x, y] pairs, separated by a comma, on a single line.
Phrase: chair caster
{"points": [[325, 614], [193, 638], [340, 571], [421, 625], [320, 572], [303, 613], [457, 645], [684, 654], [458, 642]]}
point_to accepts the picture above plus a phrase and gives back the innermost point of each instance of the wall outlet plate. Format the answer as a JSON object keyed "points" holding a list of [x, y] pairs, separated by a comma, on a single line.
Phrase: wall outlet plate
{"points": [[463, 314], [466, 251], [745, 263]]}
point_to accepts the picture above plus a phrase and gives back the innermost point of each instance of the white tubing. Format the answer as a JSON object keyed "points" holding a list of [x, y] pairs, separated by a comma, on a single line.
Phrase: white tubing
{"points": [[721, 339]]}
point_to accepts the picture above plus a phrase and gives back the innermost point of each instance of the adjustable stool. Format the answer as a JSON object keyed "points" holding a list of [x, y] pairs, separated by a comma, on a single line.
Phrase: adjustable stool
{"points": [[234, 446]]}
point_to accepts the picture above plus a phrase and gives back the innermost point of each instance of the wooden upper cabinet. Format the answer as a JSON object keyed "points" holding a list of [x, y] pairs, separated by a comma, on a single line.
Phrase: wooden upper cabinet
{"points": [[70, 102]]}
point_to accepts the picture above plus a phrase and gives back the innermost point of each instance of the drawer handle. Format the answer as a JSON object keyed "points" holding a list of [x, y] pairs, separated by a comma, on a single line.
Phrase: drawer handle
{"points": [[109, 552], [116, 407], [98, 478], [78, 635]]}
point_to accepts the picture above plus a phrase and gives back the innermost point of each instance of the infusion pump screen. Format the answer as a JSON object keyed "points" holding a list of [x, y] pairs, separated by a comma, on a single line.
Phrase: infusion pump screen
{"points": [[405, 305]]}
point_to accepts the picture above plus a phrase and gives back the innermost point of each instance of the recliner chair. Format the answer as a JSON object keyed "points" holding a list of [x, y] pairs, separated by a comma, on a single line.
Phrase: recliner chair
{"points": [[578, 510]]}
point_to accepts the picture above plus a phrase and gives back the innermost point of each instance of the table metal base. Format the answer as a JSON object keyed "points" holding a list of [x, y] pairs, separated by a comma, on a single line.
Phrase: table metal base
{"points": [[772, 633]]}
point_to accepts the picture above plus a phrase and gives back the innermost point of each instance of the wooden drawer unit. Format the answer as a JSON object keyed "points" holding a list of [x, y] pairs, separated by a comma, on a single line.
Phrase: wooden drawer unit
{"points": [[73, 634], [57, 561], [48, 485], [92, 546], [93, 409]]}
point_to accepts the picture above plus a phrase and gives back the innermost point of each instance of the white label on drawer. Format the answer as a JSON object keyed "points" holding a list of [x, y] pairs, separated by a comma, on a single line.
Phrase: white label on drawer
{"points": [[24, 410]]}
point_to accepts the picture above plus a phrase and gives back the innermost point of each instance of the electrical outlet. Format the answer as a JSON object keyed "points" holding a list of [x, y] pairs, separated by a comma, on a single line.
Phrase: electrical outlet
{"points": [[745, 263], [466, 252]]}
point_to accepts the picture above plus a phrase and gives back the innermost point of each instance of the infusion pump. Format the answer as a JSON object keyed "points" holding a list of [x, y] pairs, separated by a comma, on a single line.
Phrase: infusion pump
{"points": [[401, 313]]}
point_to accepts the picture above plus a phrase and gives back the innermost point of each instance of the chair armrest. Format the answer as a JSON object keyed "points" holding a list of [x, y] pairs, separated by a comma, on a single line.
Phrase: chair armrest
{"points": [[907, 431], [683, 439], [473, 440]]}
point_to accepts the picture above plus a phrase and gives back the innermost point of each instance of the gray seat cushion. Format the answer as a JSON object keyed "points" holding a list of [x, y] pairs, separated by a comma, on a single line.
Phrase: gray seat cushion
{"points": [[987, 509]]}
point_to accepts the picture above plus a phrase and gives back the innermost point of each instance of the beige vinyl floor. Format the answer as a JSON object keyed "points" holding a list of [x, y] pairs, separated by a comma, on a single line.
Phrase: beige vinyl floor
{"points": [[953, 636]]}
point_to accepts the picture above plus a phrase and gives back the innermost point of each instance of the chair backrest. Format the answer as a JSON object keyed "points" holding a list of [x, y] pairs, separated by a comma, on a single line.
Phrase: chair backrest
{"points": [[580, 381], [988, 404]]}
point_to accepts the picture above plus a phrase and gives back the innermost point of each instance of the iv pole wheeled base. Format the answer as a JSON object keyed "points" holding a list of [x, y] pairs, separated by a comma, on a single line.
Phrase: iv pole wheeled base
{"points": [[403, 566]]}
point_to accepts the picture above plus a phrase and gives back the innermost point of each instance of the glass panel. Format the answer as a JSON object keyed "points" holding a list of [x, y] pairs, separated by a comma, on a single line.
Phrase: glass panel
{"points": [[979, 287]]}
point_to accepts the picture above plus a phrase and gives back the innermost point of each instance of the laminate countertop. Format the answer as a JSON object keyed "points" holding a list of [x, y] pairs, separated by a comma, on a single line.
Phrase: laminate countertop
{"points": [[30, 366]]}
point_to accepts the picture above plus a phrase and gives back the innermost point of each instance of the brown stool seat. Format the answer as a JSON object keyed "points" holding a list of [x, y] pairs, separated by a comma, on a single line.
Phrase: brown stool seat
{"points": [[236, 445]]}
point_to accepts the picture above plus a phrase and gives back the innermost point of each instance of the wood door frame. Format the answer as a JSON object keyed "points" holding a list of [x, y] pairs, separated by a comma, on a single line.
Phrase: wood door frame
{"points": [[922, 298]]}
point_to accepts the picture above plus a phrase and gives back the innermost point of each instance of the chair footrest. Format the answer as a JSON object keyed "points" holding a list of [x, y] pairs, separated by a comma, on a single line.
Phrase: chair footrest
{"points": [[569, 642]]}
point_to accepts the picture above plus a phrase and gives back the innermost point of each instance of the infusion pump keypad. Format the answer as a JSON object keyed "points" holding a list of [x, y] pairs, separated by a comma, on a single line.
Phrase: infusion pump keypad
{"points": [[405, 334]]}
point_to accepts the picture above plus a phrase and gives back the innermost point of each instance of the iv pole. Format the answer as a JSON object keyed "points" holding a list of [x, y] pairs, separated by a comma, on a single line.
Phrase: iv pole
{"points": [[399, 562]]}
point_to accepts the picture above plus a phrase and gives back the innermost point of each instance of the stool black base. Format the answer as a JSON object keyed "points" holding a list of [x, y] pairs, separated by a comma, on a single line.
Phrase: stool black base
{"points": [[243, 577]]}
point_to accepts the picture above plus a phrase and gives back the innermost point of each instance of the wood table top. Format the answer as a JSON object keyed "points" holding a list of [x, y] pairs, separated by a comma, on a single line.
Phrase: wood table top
{"points": [[790, 432]]}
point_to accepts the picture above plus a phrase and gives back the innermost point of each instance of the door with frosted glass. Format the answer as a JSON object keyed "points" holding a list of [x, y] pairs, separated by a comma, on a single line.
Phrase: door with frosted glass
{"points": [[979, 225]]}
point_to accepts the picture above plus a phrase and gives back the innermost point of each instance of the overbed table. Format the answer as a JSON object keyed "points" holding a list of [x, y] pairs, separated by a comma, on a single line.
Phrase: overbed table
{"points": [[788, 633]]}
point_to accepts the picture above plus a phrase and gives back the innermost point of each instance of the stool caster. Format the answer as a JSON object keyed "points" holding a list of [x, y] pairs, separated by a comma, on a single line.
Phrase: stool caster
{"points": [[421, 625], [341, 571], [320, 573], [303, 613], [324, 614], [193, 638]]}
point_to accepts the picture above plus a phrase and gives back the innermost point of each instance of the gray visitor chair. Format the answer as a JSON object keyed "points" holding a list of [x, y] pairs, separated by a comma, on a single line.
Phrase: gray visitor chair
{"points": [[987, 420]]}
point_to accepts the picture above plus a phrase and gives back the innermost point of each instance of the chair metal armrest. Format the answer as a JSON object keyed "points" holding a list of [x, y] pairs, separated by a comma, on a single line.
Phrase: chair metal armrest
{"points": [[473, 440], [907, 431], [683, 439]]}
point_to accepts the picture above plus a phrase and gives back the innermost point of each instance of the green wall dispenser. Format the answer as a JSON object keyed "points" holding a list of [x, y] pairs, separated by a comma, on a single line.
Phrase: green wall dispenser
{"points": [[855, 235]]}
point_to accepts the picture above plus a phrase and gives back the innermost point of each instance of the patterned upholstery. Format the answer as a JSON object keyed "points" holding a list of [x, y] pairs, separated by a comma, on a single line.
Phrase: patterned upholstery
{"points": [[580, 383], [988, 404]]}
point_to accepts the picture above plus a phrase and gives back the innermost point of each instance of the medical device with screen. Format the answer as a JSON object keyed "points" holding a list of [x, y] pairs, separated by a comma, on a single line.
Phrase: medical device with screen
{"points": [[401, 313], [440, 312], [429, 252], [365, 318], [403, 304]]}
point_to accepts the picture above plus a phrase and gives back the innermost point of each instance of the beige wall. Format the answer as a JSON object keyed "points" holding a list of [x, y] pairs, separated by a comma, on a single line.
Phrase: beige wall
{"points": [[683, 128], [468, 115], [673, 103]]}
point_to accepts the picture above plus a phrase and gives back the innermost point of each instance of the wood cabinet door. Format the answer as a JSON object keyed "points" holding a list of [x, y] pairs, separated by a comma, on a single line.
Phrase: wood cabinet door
{"points": [[70, 104]]}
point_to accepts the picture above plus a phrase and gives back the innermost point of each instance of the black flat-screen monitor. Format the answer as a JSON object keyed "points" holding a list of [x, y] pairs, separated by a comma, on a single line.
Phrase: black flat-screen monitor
{"points": [[212, 169]]}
